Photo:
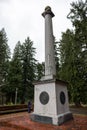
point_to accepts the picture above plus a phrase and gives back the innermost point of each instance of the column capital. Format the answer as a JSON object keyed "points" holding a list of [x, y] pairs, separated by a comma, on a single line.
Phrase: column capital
{"points": [[48, 11]]}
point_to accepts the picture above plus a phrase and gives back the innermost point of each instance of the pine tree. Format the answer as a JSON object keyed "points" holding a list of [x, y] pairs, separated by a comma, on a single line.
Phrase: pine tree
{"points": [[78, 16], [4, 60], [40, 70], [15, 75], [28, 69], [74, 53]]}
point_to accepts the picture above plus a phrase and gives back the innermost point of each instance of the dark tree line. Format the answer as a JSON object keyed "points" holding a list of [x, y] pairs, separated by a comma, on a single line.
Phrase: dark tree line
{"points": [[73, 53], [18, 73]]}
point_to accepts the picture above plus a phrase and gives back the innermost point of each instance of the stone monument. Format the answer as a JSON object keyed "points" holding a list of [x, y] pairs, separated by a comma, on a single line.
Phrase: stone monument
{"points": [[50, 94]]}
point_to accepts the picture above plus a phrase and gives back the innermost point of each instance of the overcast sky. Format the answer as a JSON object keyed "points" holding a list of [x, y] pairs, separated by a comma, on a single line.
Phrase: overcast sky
{"points": [[22, 18]]}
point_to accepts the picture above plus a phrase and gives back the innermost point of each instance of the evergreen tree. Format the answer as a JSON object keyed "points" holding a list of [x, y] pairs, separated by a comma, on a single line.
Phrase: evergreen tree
{"points": [[74, 53], [68, 61], [15, 74], [78, 16], [40, 70], [28, 69], [4, 60]]}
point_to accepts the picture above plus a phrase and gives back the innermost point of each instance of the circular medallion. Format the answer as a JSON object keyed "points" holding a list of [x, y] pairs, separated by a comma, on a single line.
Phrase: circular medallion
{"points": [[44, 98], [62, 98]]}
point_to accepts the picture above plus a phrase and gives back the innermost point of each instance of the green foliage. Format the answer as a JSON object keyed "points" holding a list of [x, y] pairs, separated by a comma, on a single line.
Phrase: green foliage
{"points": [[67, 54], [15, 74], [73, 49], [40, 70], [4, 60], [28, 69], [20, 72], [21, 75]]}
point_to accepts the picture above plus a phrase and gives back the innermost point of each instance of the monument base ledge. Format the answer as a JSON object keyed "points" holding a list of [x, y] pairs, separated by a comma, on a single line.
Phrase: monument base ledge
{"points": [[55, 120], [50, 79], [47, 77]]}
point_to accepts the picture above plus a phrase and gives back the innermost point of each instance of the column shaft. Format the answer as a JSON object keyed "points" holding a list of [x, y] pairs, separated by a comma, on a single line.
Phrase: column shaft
{"points": [[49, 47]]}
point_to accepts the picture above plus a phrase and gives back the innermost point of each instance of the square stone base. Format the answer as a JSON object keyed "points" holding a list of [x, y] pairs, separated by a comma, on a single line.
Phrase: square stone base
{"points": [[51, 102], [58, 120]]}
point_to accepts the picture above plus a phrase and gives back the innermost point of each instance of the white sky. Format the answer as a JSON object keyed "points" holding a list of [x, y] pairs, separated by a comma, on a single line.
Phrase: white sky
{"points": [[22, 18]]}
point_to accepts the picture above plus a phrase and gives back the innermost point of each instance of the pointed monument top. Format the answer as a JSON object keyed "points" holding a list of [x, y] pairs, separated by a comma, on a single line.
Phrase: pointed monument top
{"points": [[48, 11]]}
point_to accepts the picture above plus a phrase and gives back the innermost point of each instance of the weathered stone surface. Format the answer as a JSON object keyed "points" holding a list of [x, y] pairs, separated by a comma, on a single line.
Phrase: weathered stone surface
{"points": [[64, 118], [50, 95], [50, 68], [54, 106], [42, 119], [55, 120]]}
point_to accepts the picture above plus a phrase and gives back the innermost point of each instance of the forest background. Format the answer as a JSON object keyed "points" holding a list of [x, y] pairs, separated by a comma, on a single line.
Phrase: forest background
{"points": [[17, 73]]}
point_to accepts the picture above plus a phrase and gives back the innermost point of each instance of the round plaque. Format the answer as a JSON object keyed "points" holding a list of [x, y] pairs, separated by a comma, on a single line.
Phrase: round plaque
{"points": [[44, 98], [62, 98]]}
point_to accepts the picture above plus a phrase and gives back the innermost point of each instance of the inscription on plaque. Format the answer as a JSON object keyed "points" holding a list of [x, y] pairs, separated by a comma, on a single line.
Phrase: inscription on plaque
{"points": [[44, 98], [62, 98]]}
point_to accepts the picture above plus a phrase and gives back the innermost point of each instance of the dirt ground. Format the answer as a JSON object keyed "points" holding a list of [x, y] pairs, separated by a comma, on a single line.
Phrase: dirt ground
{"points": [[21, 121]]}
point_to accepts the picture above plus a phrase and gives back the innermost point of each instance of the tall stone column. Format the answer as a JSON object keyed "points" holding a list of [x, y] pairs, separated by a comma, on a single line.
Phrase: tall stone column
{"points": [[50, 68], [50, 94]]}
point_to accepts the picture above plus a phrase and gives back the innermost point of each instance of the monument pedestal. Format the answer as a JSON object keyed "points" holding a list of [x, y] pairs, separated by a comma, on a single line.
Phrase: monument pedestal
{"points": [[50, 95], [51, 102]]}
